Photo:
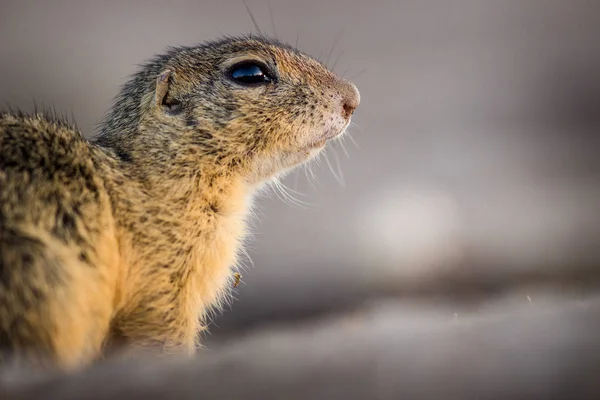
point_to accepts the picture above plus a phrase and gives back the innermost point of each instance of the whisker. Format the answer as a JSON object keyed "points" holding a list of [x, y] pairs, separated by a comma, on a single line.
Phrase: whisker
{"points": [[296, 178], [253, 19], [355, 125], [272, 18], [308, 177], [316, 162], [245, 253], [335, 42], [337, 59], [282, 193], [359, 73], [339, 168], [341, 141], [337, 178], [353, 141], [286, 190]]}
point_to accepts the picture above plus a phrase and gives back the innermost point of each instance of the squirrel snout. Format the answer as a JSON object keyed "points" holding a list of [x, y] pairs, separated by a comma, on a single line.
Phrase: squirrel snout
{"points": [[350, 99]]}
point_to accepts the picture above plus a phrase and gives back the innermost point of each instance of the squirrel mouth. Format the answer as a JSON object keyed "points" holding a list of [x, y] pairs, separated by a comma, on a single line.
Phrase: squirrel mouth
{"points": [[316, 145], [322, 141]]}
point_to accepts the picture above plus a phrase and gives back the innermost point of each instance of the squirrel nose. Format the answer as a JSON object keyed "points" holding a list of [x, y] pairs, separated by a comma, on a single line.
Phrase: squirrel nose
{"points": [[350, 99]]}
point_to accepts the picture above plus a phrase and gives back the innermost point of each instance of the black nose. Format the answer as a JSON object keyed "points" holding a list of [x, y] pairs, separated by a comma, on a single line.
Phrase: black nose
{"points": [[350, 99]]}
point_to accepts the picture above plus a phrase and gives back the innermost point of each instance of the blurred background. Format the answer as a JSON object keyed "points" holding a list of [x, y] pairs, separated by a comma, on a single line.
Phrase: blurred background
{"points": [[471, 183]]}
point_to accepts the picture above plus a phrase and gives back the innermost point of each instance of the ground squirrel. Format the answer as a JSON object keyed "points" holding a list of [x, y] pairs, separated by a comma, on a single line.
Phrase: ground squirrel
{"points": [[131, 237]]}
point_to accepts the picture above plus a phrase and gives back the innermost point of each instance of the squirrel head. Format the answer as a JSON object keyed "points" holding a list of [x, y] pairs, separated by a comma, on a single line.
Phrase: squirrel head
{"points": [[250, 106]]}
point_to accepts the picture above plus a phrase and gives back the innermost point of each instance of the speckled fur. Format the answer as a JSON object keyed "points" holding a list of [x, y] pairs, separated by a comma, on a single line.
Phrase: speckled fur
{"points": [[131, 237]]}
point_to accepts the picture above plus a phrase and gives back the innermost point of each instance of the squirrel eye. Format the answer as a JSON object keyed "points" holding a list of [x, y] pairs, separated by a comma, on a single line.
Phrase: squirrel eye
{"points": [[250, 73]]}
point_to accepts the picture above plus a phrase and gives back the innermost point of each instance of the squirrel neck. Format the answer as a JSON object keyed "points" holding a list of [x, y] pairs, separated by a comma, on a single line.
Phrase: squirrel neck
{"points": [[190, 224], [192, 189]]}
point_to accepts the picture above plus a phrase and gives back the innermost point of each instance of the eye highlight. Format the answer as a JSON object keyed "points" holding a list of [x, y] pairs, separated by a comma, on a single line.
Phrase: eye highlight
{"points": [[250, 73]]}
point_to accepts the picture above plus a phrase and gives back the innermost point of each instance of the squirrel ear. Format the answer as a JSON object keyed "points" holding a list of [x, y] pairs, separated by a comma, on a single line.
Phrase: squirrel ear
{"points": [[162, 99]]}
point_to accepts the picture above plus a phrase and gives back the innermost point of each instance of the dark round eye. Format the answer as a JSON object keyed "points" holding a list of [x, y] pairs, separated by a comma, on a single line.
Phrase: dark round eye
{"points": [[250, 73]]}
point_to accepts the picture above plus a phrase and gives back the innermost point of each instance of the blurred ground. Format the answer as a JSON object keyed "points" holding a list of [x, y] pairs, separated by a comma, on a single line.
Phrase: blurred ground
{"points": [[386, 350], [476, 177]]}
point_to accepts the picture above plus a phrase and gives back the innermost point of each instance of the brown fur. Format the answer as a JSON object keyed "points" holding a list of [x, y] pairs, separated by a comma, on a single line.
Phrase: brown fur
{"points": [[132, 237]]}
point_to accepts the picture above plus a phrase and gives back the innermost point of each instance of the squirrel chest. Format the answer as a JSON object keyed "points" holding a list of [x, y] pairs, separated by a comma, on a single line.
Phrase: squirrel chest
{"points": [[183, 256]]}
